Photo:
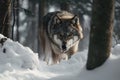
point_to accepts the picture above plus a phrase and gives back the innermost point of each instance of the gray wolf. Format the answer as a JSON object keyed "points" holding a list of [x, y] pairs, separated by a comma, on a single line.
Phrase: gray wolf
{"points": [[59, 36]]}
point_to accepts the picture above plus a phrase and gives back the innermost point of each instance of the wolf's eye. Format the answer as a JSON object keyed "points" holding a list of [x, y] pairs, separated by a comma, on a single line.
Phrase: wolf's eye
{"points": [[73, 30], [70, 35], [60, 35]]}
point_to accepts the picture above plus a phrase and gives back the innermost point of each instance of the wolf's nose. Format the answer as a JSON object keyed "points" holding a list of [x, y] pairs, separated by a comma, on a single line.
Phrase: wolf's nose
{"points": [[64, 47]]}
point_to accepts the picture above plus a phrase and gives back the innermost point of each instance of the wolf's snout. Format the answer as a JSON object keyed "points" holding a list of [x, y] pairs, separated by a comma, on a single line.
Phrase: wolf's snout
{"points": [[64, 47]]}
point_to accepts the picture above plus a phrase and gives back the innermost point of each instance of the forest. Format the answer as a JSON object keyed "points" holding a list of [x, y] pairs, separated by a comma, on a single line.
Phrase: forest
{"points": [[21, 27], [21, 19]]}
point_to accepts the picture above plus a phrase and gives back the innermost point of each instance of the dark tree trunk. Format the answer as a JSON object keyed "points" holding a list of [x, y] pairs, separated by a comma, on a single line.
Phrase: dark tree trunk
{"points": [[13, 12], [5, 17], [101, 33], [41, 13], [17, 20], [15, 6]]}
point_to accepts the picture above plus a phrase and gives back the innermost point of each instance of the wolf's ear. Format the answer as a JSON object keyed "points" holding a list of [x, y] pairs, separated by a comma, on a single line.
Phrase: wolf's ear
{"points": [[56, 19], [75, 20]]}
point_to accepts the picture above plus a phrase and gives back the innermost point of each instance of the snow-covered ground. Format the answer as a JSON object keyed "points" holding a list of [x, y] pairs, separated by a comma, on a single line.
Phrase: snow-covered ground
{"points": [[21, 63]]}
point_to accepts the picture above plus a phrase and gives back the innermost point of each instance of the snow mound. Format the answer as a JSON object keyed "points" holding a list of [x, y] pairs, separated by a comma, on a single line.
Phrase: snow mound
{"points": [[21, 63], [14, 56]]}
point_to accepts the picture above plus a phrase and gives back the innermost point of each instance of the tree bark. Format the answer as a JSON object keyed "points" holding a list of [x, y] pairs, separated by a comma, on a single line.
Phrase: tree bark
{"points": [[41, 13], [5, 17], [17, 20], [101, 33]]}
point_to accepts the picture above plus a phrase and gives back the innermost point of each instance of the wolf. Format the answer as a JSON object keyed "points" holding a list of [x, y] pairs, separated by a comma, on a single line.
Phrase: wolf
{"points": [[59, 36]]}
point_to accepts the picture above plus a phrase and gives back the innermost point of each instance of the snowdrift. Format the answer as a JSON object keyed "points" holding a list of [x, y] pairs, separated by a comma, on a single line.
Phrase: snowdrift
{"points": [[21, 63]]}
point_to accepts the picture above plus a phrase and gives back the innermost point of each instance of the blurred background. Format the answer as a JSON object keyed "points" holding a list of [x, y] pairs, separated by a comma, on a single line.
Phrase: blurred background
{"points": [[26, 19]]}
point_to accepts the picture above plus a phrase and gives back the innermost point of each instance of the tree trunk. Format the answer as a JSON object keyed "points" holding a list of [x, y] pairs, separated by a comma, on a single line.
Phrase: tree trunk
{"points": [[32, 26], [41, 13], [5, 17], [101, 33], [17, 20], [64, 6]]}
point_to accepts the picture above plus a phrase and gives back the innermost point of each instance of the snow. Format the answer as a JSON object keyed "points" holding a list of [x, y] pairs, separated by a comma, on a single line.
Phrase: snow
{"points": [[21, 63]]}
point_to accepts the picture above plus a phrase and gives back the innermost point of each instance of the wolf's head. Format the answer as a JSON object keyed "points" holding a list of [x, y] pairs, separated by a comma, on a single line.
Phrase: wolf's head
{"points": [[65, 33]]}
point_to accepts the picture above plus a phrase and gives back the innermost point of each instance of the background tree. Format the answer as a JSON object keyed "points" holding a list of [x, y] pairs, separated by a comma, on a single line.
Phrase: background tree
{"points": [[116, 35], [41, 12], [15, 12], [17, 20], [5, 6], [32, 24], [64, 5], [101, 32]]}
